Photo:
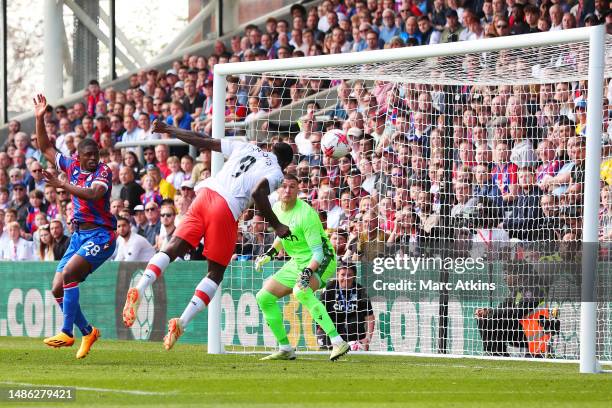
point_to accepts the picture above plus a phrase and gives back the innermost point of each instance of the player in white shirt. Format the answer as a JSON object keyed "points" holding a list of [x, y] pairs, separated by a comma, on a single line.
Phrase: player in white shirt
{"points": [[131, 247], [249, 174]]}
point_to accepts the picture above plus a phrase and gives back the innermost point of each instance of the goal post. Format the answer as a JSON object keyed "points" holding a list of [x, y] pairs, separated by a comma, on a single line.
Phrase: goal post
{"points": [[408, 71], [588, 313], [214, 343]]}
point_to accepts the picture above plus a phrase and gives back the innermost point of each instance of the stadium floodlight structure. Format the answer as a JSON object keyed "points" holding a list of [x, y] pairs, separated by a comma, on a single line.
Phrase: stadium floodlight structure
{"points": [[568, 56]]}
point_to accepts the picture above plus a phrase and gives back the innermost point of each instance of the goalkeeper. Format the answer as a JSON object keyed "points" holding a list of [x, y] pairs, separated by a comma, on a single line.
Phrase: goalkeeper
{"points": [[312, 263]]}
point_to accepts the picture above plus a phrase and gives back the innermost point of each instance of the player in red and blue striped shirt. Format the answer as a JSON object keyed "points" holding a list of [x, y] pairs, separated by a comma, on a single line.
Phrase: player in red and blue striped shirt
{"points": [[93, 239]]}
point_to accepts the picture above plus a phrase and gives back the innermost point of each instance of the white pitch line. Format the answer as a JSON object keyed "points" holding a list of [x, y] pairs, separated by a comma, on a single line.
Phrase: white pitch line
{"points": [[132, 392]]}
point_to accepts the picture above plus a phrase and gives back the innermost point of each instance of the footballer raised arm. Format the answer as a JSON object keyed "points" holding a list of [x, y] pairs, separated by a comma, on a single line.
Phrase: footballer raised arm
{"points": [[44, 144], [262, 203], [193, 138]]}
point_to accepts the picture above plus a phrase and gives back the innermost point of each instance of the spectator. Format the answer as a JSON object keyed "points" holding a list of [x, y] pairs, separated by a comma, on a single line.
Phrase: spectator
{"points": [[162, 152], [17, 248], [139, 219], [187, 190], [4, 198], [144, 123], [404, 229], [94, 95], [556, 17], [130, 190], [485, 187], [165, 189], [504, 172], [372, 41], [193, 100], [153, 224], [525, 218], [3, 230], [131, 160], [257, 237], [349, 307], [168, 219], [187, 167], [182, 205], [36, 182], [36, 207], [338, 239], [522, 154], [176, 176], [179, 116], [131, 247], [20, 203], [452, 30], [46, 251], [411, 31], [149, 195], [22, 142], [367, 239], [388, 29], [132, 132], [60, 240], [426, 29]]}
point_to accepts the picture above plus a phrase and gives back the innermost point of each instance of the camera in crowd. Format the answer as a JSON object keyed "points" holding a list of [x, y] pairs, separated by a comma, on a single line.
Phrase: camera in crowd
{"points": [[478, 212]]}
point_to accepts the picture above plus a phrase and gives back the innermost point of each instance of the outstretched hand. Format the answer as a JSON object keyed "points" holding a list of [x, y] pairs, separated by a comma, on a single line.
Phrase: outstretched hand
{"points": [[159, 126], [52, 179], [40, 105]]}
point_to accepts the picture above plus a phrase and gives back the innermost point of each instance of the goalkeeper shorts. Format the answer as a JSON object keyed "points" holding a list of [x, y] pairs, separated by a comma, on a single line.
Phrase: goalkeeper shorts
{"points": [[289, 274]]}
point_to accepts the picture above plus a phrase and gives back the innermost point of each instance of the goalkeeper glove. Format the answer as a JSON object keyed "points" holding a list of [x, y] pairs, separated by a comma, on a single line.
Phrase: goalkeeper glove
{"points": [[264, 259], [305, 278]]}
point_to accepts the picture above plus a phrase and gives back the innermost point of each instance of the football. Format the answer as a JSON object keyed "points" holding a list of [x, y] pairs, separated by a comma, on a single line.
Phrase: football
{"points": [[335, 144]]}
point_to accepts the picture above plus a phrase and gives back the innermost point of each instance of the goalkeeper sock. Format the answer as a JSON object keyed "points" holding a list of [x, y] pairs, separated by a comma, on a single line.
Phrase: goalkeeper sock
{"points": [[268, 303], [201, 298], [318, 312], [157, 265]]}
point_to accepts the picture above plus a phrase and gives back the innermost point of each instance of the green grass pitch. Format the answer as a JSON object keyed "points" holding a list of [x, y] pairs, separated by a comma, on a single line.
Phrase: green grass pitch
{"points": [[143, 374]]}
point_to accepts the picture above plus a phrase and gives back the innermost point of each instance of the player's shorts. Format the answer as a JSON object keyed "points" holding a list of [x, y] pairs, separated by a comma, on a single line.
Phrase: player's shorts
{"points": [[209, 216], [95, 245], [289, 274]]}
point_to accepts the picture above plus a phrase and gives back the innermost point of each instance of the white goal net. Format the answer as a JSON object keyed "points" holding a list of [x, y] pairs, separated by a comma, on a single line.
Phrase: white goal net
{"points": [[458, 218]]}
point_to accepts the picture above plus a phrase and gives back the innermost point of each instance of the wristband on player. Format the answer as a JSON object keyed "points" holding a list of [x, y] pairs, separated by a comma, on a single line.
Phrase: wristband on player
{"points": [[272, 252]]}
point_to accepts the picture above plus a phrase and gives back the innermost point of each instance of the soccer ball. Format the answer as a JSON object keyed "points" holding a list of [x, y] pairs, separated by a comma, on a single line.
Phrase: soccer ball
{"points": [[335, 144], [356, 346]]}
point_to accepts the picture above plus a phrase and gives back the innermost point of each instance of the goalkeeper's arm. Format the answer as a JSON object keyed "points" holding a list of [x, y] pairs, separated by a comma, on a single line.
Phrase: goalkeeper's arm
{"points": [[268, 255]]}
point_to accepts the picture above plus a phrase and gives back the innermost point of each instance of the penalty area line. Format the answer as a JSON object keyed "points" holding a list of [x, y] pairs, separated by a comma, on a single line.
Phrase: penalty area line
{"points": [[110, 390]]}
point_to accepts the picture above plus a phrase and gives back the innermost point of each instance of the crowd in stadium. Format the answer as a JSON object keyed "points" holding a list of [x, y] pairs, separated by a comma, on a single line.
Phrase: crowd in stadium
{"points": [[512, 156]]}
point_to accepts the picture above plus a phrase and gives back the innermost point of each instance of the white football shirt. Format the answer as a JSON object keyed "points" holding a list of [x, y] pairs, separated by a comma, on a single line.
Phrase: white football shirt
{"points": [[244, 169]]}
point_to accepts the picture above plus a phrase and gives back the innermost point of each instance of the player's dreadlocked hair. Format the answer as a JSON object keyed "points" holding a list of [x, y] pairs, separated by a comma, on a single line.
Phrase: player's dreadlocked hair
{"points": [[87, 142], [284, 153]]}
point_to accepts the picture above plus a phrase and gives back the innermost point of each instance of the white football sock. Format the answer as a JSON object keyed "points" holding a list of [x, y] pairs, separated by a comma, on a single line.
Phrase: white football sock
{"points": [[157, 265], [336, 340], [285, 347], [203, 294]]}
